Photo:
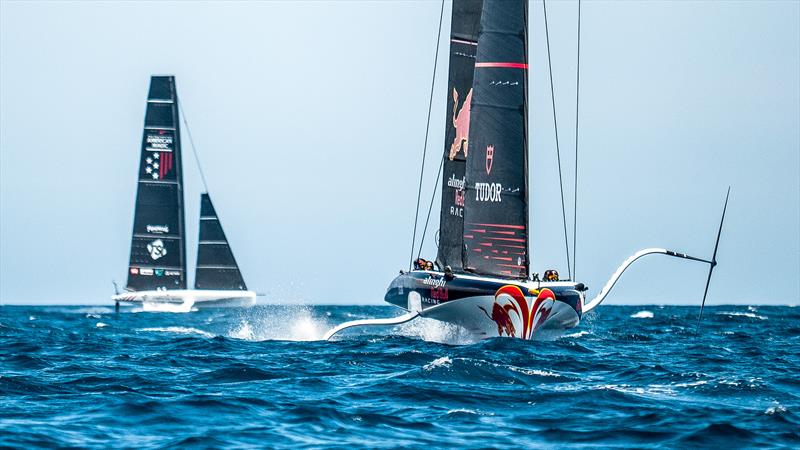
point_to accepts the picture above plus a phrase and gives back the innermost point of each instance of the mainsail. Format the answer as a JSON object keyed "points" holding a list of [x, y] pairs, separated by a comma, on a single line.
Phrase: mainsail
{"points": [[216, 266], [158, 250], [496, 206], [466, 17]]}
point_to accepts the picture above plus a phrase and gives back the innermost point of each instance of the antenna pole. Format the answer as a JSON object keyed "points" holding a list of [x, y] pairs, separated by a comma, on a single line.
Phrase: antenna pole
{"points": [[575, 190], [425, 145]]}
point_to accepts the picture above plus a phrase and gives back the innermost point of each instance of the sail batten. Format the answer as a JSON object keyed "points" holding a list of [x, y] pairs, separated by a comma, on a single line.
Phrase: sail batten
{"points": [[158, 252], [216, 265], [495, 228], [465, 22]]}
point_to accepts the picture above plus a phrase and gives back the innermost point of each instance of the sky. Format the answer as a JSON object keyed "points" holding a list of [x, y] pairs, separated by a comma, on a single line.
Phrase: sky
{"points": [[310, 117]]}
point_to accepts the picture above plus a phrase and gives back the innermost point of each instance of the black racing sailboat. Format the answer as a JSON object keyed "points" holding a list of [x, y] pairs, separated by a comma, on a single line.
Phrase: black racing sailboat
{"points": [[482, 280], [157, 268]]}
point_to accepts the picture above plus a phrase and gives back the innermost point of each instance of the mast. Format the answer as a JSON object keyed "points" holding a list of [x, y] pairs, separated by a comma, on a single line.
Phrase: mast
{"points": [[465, 21], [216, 266], [158, 248], [496, 206]]}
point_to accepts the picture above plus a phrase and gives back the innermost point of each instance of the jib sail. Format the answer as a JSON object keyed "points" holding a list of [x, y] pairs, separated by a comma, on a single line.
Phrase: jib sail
{"points": [[466, 17], [216, 266], [496, 206], [158, 252]]}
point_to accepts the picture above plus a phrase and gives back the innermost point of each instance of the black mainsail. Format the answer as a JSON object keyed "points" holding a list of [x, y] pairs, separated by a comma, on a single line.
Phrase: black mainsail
{"points": [[158, 249], [465, 21], [496, 206], [216, 266]]}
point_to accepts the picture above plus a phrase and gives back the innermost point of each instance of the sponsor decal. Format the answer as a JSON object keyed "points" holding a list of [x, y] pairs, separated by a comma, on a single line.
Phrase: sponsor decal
{"points": [[144, 271], [158, 229], [172, 273], [458, 209], [436, 282], [156, 249], [489, 158], [512, 315], [161, 142], [440, 293], [461, 124], [159, 272], [488, 192], [429, 300], [458, 183], [134, 271], [158, 164], [459, 198]]}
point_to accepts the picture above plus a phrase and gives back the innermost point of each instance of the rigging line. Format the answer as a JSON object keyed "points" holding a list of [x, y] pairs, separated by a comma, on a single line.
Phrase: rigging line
{"points": [[575, 190], [558, 150], [430, 207], [427, 129], [194, 149]]}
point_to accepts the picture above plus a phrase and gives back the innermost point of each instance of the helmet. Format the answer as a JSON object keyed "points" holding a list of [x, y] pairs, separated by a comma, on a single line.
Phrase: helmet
{"points": [[551, 275]]}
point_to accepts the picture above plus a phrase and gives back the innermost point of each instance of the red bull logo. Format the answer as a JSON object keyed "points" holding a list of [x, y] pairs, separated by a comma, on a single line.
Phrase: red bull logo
{"points": [[513, 316], [461, 124]]}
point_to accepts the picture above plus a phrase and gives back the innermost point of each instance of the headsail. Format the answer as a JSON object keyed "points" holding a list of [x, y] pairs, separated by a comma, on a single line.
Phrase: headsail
{"points": [[216, 266], [466, 17], [158, 250], [496, 206]]}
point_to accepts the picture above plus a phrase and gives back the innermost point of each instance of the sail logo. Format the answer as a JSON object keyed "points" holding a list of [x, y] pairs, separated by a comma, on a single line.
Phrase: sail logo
{"points": [[156, 249], [461, 124], [159, 143], [158, 229], [459, 198], [488, 192], [457, 183], [489, 158]]}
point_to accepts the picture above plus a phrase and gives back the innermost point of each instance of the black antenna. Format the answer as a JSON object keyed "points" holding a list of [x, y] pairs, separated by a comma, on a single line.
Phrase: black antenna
{"points": [[713, 258]]}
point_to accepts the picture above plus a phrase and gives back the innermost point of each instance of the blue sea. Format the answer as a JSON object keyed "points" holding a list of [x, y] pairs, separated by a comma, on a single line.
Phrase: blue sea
{"points": [[627, 377]]}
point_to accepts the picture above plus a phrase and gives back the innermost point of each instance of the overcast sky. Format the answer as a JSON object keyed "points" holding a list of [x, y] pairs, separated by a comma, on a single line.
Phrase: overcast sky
{"points": [[309, 118]]}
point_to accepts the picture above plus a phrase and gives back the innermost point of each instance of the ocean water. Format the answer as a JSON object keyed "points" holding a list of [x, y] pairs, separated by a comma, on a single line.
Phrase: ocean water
{"points": [[627, 377]]}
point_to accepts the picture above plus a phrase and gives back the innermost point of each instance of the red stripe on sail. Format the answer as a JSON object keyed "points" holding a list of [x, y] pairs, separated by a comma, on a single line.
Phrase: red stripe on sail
{"points": [[512, 266], [504, 65], [500, 258], [506, 239], [500, 225]]}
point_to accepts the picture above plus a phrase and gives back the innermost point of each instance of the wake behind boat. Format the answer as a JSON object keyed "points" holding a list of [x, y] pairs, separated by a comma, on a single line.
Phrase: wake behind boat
{"points": [[482, 281], [157, 268]]}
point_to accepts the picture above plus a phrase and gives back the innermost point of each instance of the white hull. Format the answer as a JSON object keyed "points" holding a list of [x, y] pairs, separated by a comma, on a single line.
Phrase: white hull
{"points": [[475, 314], [197, 298]]}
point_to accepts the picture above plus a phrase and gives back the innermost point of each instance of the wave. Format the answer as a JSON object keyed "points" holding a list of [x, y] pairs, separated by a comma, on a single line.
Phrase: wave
{"points": [[742, 314], [642, 315], [178, 330]]}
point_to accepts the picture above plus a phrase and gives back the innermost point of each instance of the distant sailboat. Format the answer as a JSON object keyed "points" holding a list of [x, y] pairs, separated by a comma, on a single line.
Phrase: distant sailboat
{"points": [[482, 283], [157, 269]]}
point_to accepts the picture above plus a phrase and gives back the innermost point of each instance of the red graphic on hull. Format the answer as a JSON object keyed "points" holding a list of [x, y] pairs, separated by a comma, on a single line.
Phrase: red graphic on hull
{"points": [[510, 306], [461, 124]]}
